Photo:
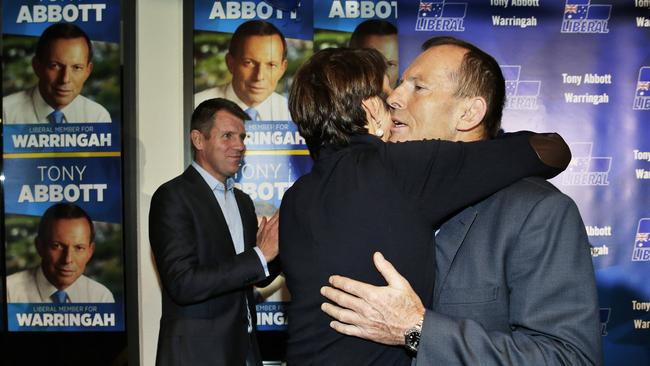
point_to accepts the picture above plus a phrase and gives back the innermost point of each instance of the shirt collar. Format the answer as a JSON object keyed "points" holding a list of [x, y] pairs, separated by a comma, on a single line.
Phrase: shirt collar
{"points": [[264, 108], [213, 182], [43, 109], [45, 288]]}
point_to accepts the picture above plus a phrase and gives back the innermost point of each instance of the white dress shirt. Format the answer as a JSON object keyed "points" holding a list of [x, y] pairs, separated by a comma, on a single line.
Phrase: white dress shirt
{"points": [[28, 107], [228, 204], [273, 108], [31, 286]]}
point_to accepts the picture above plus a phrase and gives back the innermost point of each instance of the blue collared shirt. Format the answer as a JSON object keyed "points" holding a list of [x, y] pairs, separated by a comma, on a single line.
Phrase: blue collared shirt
{"points": [[226, 198]]}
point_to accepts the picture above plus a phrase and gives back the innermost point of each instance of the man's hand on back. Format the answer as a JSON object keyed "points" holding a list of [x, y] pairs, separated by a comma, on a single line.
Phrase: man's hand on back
{"points": [[377, 313]]}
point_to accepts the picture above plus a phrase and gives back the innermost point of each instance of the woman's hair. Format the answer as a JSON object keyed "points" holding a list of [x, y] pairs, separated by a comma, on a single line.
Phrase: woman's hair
{"points": [[327, 92]]}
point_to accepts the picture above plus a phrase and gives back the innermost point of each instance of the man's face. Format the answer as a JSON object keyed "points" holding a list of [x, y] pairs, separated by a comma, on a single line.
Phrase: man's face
{"points": [[257, 68], [424, 103], [221, 153], [64, 258], [387, 46], [62, 75]]}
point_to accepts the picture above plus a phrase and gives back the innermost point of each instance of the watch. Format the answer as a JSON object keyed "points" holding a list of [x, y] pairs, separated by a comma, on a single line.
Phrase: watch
{"points": [[412, 336]]}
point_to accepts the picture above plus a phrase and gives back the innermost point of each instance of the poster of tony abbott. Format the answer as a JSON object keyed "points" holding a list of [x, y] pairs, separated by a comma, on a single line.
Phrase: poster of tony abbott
{"points": [[247, 52], [359, 24], [61, 112]]}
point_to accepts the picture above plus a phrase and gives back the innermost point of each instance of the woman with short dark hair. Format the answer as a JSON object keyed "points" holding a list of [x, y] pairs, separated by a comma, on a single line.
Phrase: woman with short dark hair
{"points": [[364, 195]]}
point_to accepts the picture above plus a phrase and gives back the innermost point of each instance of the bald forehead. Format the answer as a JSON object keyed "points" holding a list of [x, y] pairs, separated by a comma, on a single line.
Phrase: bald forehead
{"points": [[446, 53], [435, 62]]}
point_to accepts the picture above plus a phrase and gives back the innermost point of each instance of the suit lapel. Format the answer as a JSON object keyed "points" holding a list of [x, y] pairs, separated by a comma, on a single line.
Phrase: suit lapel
{"points": [[448, 242], [214, 212]]}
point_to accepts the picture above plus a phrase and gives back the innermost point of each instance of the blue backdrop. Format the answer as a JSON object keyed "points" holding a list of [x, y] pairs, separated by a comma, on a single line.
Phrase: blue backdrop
{"points": [[578, 67]]}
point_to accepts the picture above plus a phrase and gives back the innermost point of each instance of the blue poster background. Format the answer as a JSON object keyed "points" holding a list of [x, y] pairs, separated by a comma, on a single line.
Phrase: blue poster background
{"points": [[604, 117], [31, 17], [44, 164], [225, 16]]}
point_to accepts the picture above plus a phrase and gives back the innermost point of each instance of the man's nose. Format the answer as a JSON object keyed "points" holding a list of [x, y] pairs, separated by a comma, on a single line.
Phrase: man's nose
{"points": [[67, 255], [395, 99], [239, 145], [64, 75], [259, 72]]}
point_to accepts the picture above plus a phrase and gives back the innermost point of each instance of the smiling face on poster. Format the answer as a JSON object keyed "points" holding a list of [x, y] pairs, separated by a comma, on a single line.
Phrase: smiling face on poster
{"points": [[62, 71], [256, 65], [62, 63], [248, 52], [61, 110]]}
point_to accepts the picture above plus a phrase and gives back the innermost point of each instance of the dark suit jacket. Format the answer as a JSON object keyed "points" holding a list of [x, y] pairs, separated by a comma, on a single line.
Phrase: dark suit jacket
{"points": [[372, 196], [204, 282], [515, 284]]}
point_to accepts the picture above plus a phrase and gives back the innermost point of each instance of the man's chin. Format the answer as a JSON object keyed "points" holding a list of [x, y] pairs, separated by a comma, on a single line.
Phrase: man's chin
{"points": [[62, 103], [257, 97]]}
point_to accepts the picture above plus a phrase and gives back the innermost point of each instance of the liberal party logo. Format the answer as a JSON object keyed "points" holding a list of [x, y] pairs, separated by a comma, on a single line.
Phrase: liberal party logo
{"points": [[642, 96], [441, 16], [520, 94], [641, 252], [584, 169], [604, 319], [580, 16]]}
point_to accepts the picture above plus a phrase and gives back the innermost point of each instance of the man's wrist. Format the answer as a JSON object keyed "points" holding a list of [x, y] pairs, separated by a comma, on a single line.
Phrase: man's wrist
{"points": [[412, 335]]}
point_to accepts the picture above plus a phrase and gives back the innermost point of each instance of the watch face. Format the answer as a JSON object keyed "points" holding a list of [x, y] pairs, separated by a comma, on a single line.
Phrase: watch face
{"points": [[412, 339]]}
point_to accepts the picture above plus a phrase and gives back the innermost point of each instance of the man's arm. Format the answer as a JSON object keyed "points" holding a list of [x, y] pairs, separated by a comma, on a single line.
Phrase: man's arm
{"points": [[553, 303], [172, 237]]}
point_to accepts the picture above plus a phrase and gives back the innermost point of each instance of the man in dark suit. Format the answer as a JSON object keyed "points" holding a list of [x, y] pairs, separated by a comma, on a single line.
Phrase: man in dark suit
{"points": [[208, 249], [514, 278]]}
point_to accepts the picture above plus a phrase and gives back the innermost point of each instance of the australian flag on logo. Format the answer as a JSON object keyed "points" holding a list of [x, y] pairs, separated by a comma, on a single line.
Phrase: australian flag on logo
{"points": [[642, 95], [520, 94], [642, 241], [580, 16], [576, 10], [439, 15], [584, 169], [643, 84]]}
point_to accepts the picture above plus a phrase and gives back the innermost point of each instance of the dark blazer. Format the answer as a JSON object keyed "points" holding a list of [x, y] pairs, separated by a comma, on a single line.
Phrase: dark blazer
{"points": [[371, 196], [515, 284], [204, 282]]}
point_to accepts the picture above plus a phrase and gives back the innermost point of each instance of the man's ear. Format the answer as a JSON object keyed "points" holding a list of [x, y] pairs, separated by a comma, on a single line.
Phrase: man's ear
{"points": [[230, 62], [283, 67], [475, 109], [91, 248], [197, 139], [36, 66], [39, 247]]}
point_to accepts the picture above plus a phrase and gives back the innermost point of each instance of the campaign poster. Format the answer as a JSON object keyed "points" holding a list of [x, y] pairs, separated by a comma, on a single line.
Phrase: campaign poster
{"points": [[359, 24], [248, 52], [62, 165], [581, 68]]}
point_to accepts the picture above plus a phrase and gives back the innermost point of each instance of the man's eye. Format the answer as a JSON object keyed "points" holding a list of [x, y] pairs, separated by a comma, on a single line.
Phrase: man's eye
{"points": [[227, 135]]}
